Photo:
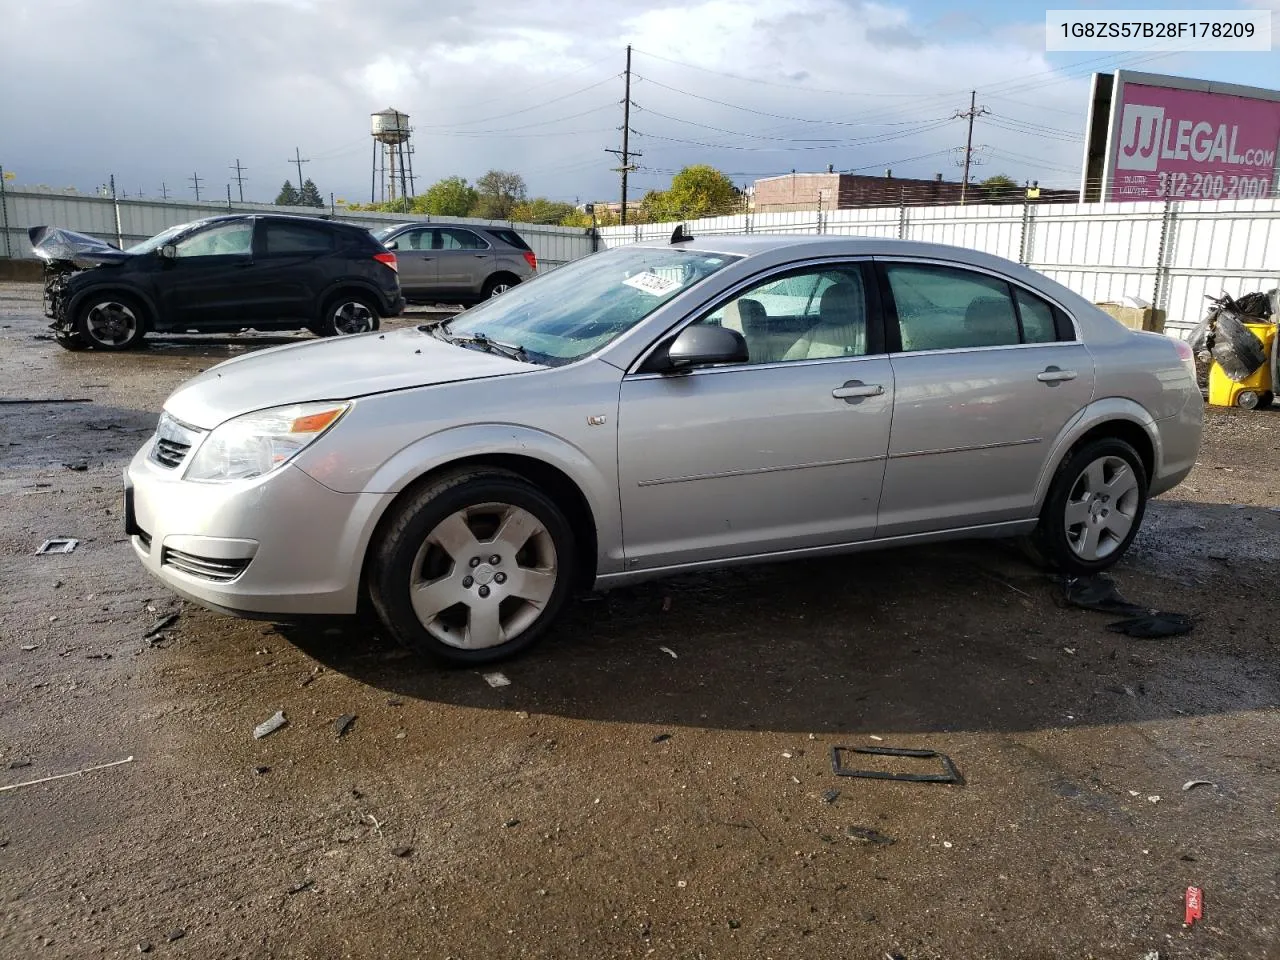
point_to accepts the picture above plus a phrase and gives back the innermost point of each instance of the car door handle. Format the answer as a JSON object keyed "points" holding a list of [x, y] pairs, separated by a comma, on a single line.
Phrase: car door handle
{"points": [[856, 390], [480, 256], [1055, 375]]}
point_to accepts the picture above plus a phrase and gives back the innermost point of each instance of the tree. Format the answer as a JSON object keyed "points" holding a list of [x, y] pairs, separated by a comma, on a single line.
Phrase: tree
{"points": [[310, 195], [702, 191], [449, 197], [542, 210], [288, 196], [1000, 189], [500, 191]]}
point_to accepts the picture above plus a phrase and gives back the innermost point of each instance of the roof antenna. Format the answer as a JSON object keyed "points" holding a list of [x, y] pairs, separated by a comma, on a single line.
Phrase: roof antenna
{"points": [[680, 234]]}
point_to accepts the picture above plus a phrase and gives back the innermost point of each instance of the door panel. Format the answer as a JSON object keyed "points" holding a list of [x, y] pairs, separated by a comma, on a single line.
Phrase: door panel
{"points": [[416, 261], [464, 260], [206, 284], [978, 400], [735, 461]]}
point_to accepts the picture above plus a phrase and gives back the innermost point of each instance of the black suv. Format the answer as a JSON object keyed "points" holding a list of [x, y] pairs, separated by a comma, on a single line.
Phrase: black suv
{"points": [[265, 271]]}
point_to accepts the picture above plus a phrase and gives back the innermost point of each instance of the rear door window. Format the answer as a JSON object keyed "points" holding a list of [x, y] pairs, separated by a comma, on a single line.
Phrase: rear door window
{"points": [[297, 238], [510, 237], [451, 238]]}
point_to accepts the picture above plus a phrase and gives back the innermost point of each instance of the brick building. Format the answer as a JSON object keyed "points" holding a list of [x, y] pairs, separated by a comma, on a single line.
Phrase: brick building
{"points": [[846, 191]]}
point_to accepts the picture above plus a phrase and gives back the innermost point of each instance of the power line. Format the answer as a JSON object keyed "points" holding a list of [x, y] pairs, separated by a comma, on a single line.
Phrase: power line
{"points": [[972, 114], [195, 179], [239, 178], [512, 113], [760, 136], [625, 154], [859, 141], [297, 159]]}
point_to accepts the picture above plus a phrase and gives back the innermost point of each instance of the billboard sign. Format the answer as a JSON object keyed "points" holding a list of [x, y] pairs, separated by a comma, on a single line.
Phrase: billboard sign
{"points": [[1177, 139]]}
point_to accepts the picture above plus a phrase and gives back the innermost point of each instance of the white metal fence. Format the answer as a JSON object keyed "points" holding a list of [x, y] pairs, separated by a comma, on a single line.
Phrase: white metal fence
{"points": [[1171, 254], [126, 222]]}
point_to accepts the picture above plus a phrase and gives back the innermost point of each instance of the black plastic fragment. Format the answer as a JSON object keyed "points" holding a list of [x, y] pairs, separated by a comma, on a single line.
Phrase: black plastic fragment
{"points": [[1154, 626], [949, 775]]}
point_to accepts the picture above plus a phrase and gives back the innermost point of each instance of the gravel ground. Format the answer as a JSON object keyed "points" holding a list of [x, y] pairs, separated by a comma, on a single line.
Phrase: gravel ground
{"points": [[619, 799]]}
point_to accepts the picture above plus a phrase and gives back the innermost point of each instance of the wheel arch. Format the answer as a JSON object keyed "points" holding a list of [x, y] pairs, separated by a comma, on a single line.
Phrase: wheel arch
{"points": [[499, 275], [1113, 417], [151, 314], [351, 287]]}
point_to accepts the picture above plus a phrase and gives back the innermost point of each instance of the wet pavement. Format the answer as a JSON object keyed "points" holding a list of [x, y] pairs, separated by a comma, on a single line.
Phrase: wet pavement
{"points": [[656, 778]]}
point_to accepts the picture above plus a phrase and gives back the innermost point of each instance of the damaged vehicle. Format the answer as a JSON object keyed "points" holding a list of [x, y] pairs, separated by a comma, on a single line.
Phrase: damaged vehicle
{"points": [[655, 409], [225, 273]]}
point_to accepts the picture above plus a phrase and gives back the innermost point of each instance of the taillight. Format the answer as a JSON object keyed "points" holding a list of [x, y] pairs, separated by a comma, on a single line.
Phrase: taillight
{"points": [[531, 259], [1186, 355], [389, 259]]}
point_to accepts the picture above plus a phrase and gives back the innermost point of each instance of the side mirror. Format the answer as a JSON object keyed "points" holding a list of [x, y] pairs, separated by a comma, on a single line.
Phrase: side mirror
{"points": [[700, 344], [169, 251]]}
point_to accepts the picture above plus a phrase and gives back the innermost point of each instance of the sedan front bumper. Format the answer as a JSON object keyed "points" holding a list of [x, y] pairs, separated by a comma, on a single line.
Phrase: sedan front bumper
{"points": [[279, 545]]}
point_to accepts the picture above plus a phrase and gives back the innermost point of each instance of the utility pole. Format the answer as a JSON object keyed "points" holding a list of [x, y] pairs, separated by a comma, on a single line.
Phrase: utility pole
{"points": [[625, 153], [972, 113], [164, 191], [297, 159], [239, 179], [195, 180], [115, 203], [228, 198]]}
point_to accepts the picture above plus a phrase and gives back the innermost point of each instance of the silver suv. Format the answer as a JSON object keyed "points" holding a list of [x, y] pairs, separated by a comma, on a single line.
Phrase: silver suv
{"points": [[457, 263]]}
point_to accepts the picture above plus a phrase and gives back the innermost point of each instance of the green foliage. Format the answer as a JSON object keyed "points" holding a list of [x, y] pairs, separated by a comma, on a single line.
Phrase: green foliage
{"points": [[500, 191], [288, 196], [696, 191], [448, 197], [1000, 189], [310, 195], [542, 210]]}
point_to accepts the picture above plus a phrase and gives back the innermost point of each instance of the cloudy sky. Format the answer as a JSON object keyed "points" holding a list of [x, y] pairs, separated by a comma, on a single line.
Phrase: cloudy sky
{"points": [[155, 91]]}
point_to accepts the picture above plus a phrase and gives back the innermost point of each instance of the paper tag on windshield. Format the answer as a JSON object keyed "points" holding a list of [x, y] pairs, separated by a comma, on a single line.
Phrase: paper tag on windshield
{"points": [[652, 283]]}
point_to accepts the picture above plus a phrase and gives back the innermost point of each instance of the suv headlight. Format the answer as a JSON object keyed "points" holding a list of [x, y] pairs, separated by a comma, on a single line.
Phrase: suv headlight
{"points": [[257, 443]]}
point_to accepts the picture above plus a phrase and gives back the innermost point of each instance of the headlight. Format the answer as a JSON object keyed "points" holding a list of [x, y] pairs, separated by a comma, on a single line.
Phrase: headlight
{"points": [[257, 443]]}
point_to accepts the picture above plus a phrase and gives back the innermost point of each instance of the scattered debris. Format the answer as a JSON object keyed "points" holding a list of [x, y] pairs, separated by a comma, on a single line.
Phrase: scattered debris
{"points": [[1192, 784], [949, 775], [1100, 593], [669, 652], [1195, 905], [78, 466], [513, 822], [160, 625], [947, 844], [58, 545], [176, 935], [60, 776], [1004, 583], [497, 679], [1154, 798], [395, 702], [830, 796], [869, 835], [28, 647], [661, 737], [1151, 955], [402, 851], [786, 754], [144, 947], [300, 887], [7, 400], [261, 769], [310, 677], [374, 821], [874, 737], [343, 724], [734, 924], [19, 764], [1154, 626], [270, 725]]}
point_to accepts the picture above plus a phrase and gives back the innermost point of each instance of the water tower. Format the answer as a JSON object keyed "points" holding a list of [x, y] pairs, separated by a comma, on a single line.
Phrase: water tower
{"points": [[392, 156]]}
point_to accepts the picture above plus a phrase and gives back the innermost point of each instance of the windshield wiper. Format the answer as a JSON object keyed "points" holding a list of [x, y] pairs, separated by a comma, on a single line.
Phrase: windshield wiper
{"points": [[512, 351]]}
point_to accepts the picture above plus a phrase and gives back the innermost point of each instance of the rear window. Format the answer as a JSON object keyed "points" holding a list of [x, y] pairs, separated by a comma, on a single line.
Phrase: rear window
{"points": [[297, 238], [510, 237]]}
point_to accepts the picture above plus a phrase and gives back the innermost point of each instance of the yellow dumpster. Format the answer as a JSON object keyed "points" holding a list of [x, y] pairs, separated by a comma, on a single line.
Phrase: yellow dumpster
{"points": [[1257, 390]]}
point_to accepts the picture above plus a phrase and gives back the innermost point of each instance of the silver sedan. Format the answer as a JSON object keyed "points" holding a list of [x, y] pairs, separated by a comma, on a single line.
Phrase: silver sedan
{"points": [[654, 409]]}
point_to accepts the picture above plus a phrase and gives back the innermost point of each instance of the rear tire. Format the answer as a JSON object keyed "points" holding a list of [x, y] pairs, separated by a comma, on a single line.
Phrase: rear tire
{"points": [[498, 284], [472, 568], [110, 321], [346, 315], [1094, 508]]}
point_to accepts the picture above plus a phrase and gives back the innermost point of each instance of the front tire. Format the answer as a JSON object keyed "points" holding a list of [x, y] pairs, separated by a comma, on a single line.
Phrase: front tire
{"points": [[498, 284], [1094, 508], [473, 568], [109, 322], [347, 315]]}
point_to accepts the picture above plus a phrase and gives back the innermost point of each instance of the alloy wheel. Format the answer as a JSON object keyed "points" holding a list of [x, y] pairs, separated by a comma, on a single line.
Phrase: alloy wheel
{"points": [[111, 323], [1101, 508], [352, 317], [483, 576]]}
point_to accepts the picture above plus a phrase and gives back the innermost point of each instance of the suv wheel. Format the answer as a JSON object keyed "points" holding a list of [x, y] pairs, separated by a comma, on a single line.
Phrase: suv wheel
{"points": [[1094, 508], [110, 322], [498, 284], [346, 315], [473, 568]]}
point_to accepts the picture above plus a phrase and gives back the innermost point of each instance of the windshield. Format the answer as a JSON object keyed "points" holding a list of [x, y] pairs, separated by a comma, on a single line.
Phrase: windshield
{"points": [[160, 239], [570, 312]]}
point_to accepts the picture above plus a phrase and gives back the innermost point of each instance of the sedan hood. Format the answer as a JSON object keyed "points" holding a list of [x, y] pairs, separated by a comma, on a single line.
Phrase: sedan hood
{"points": [[53, 244], [340, 368]]}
